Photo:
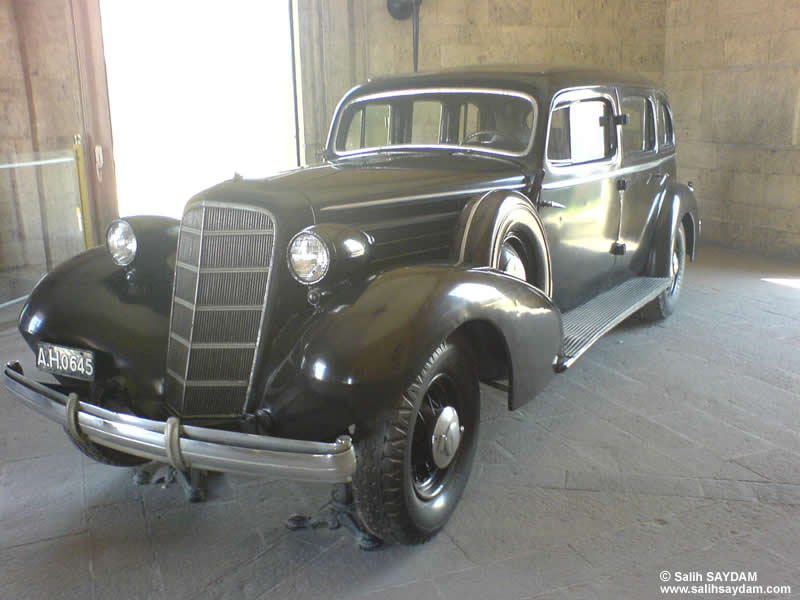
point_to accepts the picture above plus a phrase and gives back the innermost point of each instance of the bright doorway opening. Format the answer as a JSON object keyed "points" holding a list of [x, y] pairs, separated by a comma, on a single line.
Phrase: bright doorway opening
{"points": [[198, 90]]}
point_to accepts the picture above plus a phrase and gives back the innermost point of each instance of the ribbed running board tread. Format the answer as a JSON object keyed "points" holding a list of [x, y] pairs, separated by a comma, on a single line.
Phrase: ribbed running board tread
{"points": [[586, 324]]}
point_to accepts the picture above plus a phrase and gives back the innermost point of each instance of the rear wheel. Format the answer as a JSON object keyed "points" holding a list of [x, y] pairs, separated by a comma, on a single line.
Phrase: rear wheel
{"points": [[412, 471], [665, 304]]}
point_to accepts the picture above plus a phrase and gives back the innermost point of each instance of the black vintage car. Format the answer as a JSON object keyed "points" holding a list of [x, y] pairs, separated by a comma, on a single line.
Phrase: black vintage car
{"points": [[333, 323]]}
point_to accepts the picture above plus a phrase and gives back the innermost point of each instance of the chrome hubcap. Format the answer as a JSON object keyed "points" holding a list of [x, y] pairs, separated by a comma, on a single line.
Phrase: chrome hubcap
{"points": [[437, 436], [446, 437]]}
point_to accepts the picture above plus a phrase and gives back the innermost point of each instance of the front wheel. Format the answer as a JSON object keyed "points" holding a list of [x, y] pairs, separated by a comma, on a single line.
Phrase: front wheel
{"points": [[413, 469], [665, 304]]}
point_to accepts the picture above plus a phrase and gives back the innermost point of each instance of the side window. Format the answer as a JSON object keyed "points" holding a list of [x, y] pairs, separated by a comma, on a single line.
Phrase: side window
{"points": [[377, 125], [582, 131], [639, 134], [666, 133], [558, 147], [426, 122], [468, 121]]}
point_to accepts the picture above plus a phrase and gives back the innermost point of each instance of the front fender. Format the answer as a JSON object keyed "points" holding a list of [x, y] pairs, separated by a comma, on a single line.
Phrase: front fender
{"points": [[379, 339], [88, 302], [677, 206]]}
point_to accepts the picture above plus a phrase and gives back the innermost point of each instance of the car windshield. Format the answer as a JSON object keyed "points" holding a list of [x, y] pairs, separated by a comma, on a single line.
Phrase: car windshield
{"points": [[500, 122]]}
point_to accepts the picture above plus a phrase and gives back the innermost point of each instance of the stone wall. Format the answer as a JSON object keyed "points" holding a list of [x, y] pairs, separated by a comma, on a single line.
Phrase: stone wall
{"points": [[716, 59], [344, 41], [331, 58], [605, 33], [732, 68], [16, 228], [40, 111]]}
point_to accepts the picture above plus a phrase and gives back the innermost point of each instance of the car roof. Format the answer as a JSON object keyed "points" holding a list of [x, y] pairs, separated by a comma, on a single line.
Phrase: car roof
{"points": [[552, 78]]}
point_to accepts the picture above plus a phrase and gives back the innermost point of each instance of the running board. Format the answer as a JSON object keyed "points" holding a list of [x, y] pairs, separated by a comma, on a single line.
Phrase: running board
{"points": [[586, 324]]}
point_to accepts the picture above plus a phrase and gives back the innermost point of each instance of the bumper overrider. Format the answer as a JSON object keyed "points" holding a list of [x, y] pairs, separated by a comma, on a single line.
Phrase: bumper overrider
{"points": [[187, 446]]}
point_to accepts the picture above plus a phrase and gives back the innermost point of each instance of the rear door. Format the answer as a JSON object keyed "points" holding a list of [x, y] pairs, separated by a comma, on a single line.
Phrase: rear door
{"points": [[579, 204], [642, 177]]}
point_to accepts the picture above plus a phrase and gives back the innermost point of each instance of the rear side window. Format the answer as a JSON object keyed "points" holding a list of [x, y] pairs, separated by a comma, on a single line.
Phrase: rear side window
{"points": [[581, 131], [639, 134], [666, 133]]}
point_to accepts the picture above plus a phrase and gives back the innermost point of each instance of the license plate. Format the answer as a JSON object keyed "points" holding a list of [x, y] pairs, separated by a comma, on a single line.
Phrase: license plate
{"points": [[66, 361]]}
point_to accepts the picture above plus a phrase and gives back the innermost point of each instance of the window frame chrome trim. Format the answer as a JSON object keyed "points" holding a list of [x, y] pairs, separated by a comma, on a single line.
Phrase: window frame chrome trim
{"points": [[661, 98], [647, 96], [601, 92], [348, 101]]}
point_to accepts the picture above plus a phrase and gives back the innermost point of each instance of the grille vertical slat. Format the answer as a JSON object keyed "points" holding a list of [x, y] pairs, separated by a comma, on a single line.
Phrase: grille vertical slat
{"points": [[220, 364], [226, 219], [177, 357], [225, 289], [189, 250], [230, 326], [185, 284], [182, 320], [224, 258], [236, 251]]}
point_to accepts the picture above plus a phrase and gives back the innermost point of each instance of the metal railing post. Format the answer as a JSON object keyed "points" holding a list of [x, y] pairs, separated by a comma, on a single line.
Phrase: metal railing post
{"points": [[86, 212]]}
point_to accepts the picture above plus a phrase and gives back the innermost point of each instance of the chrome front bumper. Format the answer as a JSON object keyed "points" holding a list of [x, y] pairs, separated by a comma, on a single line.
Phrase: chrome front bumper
{"points": [[187, 446]]}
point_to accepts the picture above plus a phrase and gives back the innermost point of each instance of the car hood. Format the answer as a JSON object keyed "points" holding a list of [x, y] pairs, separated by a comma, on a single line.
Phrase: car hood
{"points": [[367, 181]]}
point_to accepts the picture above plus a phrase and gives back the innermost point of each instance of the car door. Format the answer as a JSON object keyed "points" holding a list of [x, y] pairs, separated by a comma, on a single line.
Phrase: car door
{"points": [[579, 204], [641, 179]]}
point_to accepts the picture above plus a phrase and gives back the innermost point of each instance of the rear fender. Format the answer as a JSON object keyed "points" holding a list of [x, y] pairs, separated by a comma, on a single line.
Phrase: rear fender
{"points": [[677, 206], [376, 343]]}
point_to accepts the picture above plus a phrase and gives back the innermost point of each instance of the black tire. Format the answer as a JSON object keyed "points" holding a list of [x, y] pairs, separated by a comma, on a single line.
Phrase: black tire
{"points": [[663, 306], [395, 501], [107, 456]]}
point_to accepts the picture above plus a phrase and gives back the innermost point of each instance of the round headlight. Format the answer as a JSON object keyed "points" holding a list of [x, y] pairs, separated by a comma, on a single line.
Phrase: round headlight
{"points": [[121, 242], [309, 258]]}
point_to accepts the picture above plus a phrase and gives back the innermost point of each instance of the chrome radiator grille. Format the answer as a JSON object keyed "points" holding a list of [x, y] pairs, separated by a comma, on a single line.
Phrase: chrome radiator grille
{"points": [[222, 274]]}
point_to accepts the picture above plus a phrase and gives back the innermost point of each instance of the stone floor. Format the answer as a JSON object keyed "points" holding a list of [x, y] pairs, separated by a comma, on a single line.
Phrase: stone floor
{"points": [[672, 447]]}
